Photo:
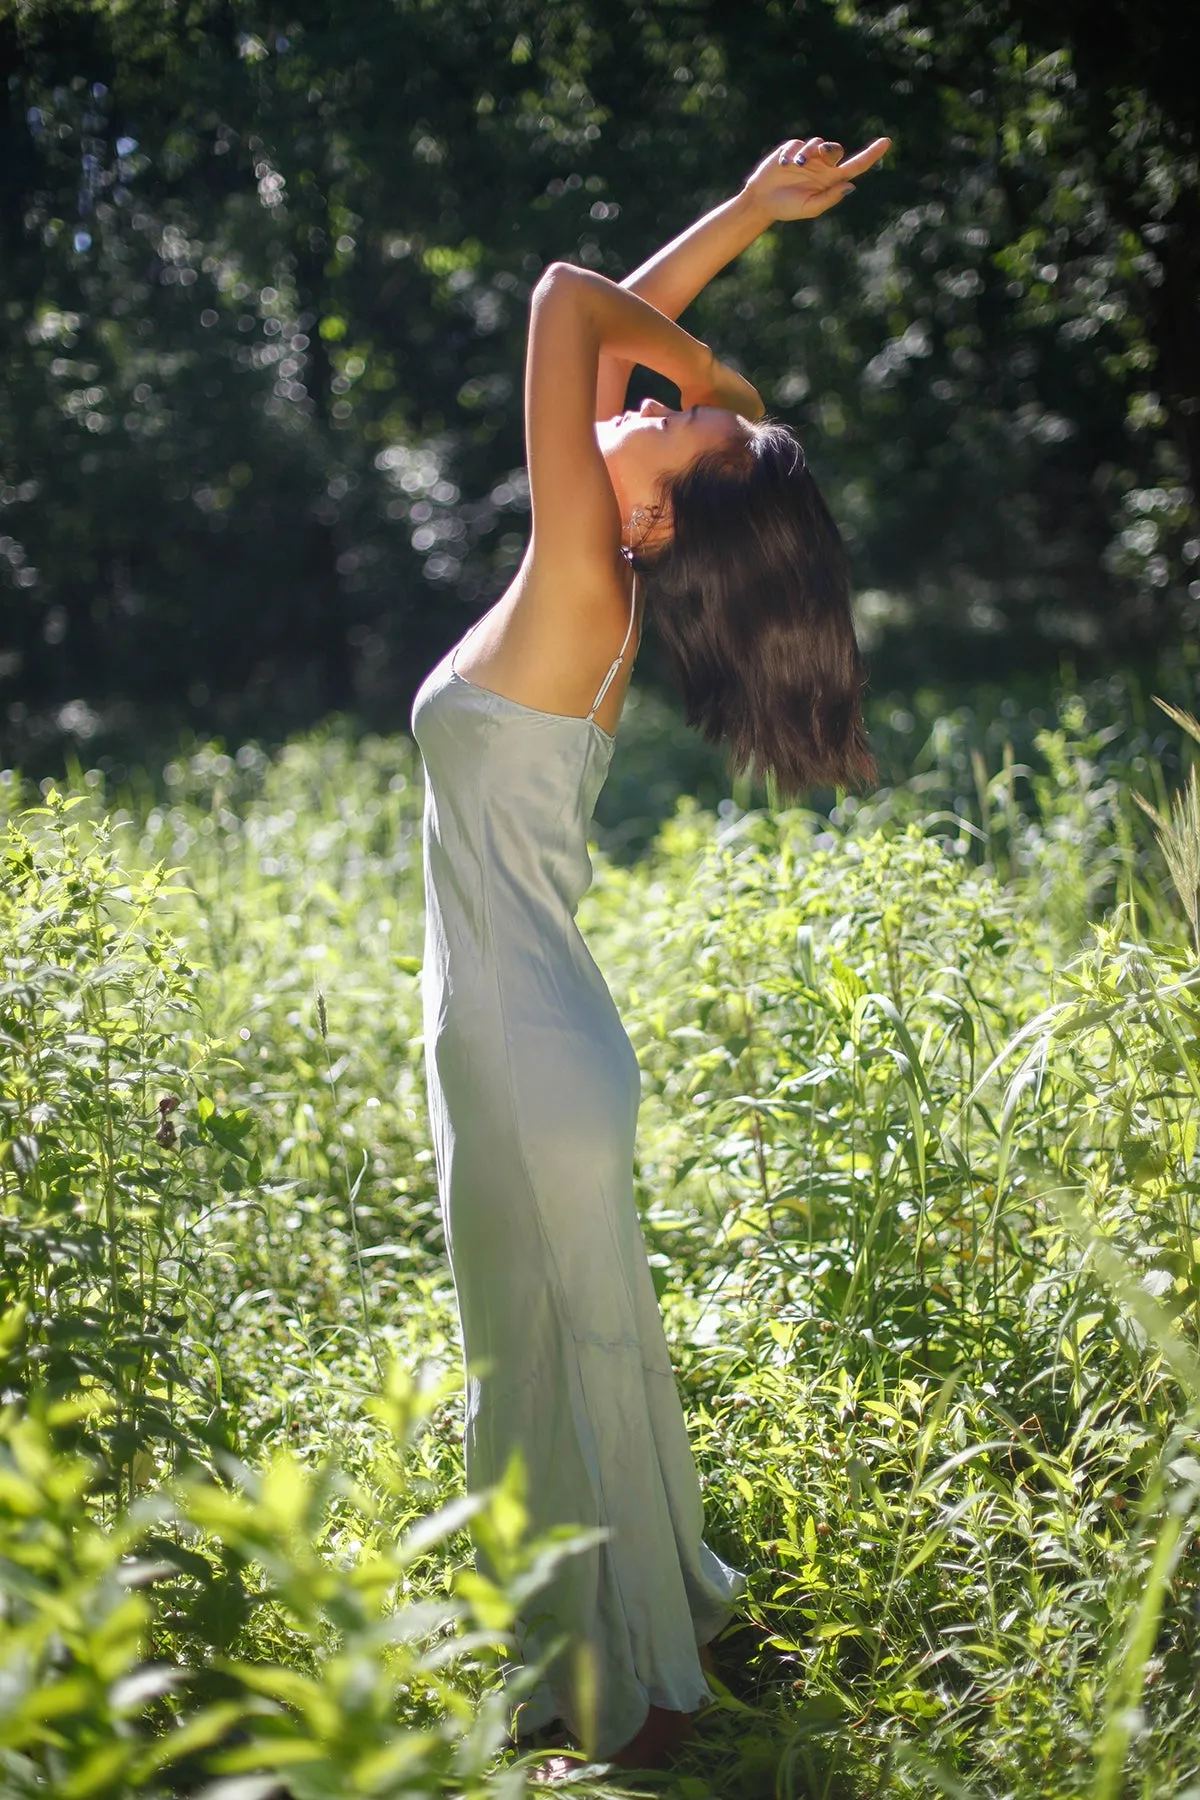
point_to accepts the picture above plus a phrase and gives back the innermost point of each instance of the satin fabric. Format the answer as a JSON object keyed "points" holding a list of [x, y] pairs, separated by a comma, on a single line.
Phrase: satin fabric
{"points": [[533, 1090]]}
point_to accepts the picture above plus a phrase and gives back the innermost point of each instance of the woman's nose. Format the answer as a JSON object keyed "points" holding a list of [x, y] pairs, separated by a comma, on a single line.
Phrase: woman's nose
{"points": [[653, 408]]}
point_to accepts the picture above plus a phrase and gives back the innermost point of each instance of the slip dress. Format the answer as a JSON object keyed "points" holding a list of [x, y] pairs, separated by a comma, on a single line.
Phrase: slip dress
{"points": [[533, 1089]]}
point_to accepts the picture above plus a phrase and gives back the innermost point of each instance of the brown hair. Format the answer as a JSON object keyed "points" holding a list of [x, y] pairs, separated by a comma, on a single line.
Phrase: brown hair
{"points": [[751, 598]]}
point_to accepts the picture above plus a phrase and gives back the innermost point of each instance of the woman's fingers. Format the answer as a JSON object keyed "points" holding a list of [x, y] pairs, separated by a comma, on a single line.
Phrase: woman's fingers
{"points": [[829, 153], [797, 150], [750, 401], [735, 392], [865, 159], [822, 202], [805, 176]]}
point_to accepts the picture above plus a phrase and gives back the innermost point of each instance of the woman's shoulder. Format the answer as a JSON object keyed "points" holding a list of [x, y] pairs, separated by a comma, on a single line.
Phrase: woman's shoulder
{"points": [[549, 644]]}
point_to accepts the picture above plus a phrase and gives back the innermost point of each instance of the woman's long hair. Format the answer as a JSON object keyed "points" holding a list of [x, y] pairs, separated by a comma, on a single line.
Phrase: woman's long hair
{"points": [[751, 597]]}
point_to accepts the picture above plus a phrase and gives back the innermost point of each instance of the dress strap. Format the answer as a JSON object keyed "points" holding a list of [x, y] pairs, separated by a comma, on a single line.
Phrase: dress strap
{"points": [[620, 657]]}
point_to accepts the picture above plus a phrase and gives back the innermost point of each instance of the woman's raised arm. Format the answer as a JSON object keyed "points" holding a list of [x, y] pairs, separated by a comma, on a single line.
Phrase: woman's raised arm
{"points": [[575, 315], [796, 180]]}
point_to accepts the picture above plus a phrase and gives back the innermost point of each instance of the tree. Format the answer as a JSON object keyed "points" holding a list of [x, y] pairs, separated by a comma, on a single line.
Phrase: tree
{"points": [[264, 298]]}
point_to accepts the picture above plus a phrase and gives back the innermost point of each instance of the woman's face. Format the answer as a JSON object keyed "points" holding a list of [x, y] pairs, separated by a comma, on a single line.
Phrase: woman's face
{"points": [[643, 449]]}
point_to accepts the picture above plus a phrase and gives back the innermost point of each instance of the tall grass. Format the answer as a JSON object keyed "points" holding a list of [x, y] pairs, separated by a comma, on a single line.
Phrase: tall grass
{"points": [[917, 1168]]}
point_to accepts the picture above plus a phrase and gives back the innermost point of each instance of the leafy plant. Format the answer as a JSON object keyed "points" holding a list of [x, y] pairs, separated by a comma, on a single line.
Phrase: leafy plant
{"points": [[112, 1158], [917, 1168], [370, 1700]]}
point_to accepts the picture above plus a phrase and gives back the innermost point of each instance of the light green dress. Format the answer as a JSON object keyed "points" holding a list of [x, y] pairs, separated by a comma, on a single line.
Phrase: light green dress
{"points": [[533, 1090]]}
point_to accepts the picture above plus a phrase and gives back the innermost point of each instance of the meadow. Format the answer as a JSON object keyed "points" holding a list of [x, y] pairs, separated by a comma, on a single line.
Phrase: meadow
{"points": [[917, 1171]]}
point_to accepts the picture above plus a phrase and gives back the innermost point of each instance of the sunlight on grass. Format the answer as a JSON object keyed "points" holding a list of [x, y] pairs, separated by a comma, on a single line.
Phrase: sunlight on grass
{"points": [[917, 1169]]}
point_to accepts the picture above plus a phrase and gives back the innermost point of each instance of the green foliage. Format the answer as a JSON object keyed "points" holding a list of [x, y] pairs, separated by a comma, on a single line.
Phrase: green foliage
{"points": [[919, 1176], [917, 1169], [98, 1244], [370, 1699], [266, 287]]}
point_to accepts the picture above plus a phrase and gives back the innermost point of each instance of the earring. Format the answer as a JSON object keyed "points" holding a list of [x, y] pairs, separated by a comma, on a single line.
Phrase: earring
{"points": [[640, 519]]}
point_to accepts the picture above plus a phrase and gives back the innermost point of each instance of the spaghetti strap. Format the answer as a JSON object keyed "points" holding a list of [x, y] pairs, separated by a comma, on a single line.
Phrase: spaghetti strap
{"points": [[620, 657]]}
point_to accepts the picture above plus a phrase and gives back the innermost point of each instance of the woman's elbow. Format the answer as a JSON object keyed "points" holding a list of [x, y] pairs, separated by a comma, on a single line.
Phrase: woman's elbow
{"points": [[558, 278]]}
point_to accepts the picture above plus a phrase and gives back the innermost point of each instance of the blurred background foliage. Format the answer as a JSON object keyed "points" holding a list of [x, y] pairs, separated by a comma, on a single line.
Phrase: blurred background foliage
{"points": [[265, 272]]}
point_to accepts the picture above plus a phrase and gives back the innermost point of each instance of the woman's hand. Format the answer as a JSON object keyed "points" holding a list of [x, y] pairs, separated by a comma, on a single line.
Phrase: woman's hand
{"points": [[716, 384], [804, 177]]}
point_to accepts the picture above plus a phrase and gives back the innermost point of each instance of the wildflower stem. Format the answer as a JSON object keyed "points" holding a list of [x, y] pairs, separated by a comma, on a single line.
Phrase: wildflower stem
{"points": [[351, 1190]]}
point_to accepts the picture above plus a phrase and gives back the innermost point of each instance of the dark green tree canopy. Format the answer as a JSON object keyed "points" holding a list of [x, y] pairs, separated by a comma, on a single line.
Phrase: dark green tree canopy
{"points": [[264, 283]]}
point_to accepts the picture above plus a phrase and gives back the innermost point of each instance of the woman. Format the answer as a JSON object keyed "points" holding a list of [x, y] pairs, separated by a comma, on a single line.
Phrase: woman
{"points": [[533, 1084]]}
